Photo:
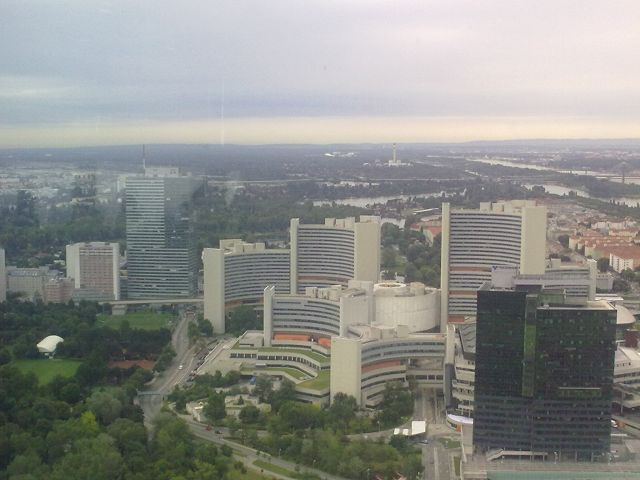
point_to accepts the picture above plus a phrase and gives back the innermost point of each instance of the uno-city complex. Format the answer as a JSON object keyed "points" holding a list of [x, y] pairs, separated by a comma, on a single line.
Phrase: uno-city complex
{"points": [[522, 347]]}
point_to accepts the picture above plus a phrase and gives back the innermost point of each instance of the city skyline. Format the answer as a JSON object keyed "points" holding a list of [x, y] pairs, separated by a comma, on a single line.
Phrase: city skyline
{"points": [[115, 73]]}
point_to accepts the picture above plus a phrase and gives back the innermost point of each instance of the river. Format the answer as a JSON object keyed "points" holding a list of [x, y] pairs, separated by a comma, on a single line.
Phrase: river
{"points": [[365, 202], [562, 191]]}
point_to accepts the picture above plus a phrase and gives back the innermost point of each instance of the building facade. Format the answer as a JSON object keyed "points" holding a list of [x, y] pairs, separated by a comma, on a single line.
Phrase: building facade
{"points": [[322, 255], [59, 290], [543, 374], [334, 252], [237, 273], [369, 341], [474, 241], [578, 280], [95, 270], [161, 250], [29, 283]]}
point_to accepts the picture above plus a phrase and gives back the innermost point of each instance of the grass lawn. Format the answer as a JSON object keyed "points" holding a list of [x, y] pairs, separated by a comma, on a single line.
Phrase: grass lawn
{"points": [[297, 374], [456, 465], [450, 443], [137, 320], [248, 475], [307, 353], [319, 383], [47, 370], [270, 467]]}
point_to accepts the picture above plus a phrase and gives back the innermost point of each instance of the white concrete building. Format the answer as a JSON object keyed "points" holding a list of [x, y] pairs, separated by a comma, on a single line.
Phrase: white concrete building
{"points": [[237, 273], [321, 313], [320, 256], [414, 306], [334, 252], [474, 241], [624, 258], [368, 331], [363, 363], [577, 280], [313, 317], [95, 269]]}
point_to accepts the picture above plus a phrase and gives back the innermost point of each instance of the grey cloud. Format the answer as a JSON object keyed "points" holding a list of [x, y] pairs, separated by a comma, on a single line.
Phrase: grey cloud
{"points": [[173, 60]]}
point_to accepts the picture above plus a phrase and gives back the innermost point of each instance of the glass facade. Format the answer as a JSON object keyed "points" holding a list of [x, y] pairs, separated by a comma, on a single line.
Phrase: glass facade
{"points": [[544, 374], [161, 250]]}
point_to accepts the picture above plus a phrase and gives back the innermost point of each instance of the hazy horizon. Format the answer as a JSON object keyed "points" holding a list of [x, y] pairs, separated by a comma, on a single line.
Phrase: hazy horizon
{"points": [[246, 72]]}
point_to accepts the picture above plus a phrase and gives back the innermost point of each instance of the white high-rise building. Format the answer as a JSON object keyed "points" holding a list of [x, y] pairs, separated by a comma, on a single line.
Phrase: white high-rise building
{"points": [[3, 277], [237, 273], [476, 240], [95, 269], [322, 255], [334, 252]]}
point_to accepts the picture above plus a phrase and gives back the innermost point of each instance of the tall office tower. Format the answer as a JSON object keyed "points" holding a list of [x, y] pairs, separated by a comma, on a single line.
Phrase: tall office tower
{"points": [[474, 241], [237, 273], [3, 277], [543, 373], [161, 250], [334, 252], [95, 269]]}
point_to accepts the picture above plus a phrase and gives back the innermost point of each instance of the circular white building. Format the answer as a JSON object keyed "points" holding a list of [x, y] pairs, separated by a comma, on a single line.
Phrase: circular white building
{"points": [[415, 305]]}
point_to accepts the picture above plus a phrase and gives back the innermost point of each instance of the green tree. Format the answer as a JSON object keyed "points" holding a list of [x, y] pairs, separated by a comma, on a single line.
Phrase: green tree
{"points": [[215, 409], [415, 251], [628, 275], [129, 436], [397, 402], [286, 393], [249, 414], [564, 240], [5, 356], [27, 466], [342, 411], [105, 405], [95, 458], [172, 445], [241, 319], [64, 433], [603, 264], [389, 259], [411, 273], [263, 388]]}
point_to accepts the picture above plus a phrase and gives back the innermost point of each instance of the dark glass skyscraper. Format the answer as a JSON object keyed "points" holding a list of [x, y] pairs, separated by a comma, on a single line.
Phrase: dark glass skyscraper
{"points": [[544, 373], [161, 250]]}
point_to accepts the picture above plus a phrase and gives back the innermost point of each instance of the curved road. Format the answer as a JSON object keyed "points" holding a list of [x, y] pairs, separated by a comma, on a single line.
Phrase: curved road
{"points": [[151, 400]]}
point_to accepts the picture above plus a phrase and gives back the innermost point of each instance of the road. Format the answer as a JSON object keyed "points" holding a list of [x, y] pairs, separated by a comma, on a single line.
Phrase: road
{"points": [[163, 384], [436, 460], [248, 455]]}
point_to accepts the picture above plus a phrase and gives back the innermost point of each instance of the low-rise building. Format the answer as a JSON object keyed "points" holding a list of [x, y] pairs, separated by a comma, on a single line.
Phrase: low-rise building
{"points": [[623, 258], [59, 290], [29, 283]]}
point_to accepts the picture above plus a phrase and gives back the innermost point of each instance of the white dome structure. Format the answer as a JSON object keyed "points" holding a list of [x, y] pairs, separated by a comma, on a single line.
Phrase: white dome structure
{"points": [[48, 345]]}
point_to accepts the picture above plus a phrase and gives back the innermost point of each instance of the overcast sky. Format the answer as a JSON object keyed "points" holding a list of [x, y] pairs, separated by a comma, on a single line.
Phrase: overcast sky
{"points": [[83, 72]]}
